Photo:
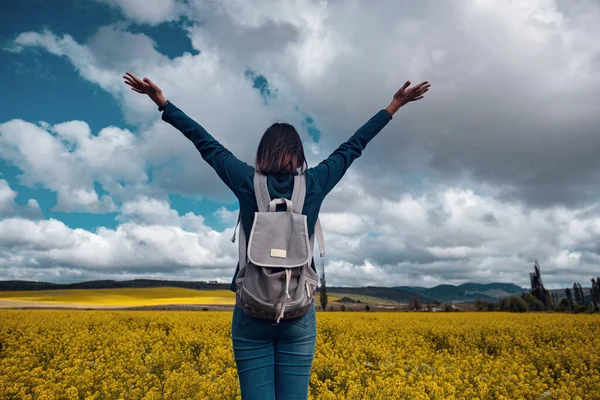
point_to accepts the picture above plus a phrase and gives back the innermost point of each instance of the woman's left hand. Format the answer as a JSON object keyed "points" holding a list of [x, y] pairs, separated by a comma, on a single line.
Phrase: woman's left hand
{"points": [[145, 86], [407, 94]]}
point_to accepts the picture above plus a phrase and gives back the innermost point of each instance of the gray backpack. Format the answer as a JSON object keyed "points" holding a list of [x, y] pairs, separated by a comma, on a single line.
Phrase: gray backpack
{"points": [[276, 280]]}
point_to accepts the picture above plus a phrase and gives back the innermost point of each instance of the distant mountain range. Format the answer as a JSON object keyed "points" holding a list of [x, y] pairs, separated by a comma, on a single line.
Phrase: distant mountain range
{"points": [[465, 293]]}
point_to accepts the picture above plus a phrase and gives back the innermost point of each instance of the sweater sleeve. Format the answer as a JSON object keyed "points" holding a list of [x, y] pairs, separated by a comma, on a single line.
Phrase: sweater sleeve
{"points": [[230, 169], [331, 170]]}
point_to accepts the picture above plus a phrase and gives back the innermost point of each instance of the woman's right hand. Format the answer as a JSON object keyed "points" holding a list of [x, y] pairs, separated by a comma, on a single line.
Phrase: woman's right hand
{"points": [[145, 86]]}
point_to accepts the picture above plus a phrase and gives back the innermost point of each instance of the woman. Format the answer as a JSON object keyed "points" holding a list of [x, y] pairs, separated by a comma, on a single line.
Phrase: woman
{"points": [[274, 361]]}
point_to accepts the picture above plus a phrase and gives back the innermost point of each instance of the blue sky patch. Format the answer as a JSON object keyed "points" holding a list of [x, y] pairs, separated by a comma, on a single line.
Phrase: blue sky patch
{"points": [[170, 38], [80, 19], [47, 88], [260, 83], [88, 221], [311, 128]]}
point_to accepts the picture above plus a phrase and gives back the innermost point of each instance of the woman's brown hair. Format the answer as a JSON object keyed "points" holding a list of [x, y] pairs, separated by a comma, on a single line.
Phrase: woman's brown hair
{"points": [[280, 151]]}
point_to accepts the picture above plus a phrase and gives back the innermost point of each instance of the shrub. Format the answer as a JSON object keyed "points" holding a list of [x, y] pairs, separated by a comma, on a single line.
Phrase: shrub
{"points": [[481, 305], [517, 304], [533, 303], [580, 309], [564, 305], [346, 299]]}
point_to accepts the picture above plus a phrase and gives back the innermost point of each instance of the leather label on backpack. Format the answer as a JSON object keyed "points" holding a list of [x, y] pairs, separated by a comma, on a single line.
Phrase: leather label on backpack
{"points": [[278, 253]]}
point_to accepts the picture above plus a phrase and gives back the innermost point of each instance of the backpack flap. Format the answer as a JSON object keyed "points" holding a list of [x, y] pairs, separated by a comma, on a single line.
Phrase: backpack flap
{"points": [[279, 239]]}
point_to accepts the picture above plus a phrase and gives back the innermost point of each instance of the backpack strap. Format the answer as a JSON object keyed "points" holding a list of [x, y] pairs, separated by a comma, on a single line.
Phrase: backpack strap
{"points": [[299, 193], [242, 247], [320, 239], [261, 192], [236, 226], [242, 241]]}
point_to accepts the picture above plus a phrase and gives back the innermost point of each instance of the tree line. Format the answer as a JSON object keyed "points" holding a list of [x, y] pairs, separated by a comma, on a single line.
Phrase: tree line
{"points": [[540, 299], [537, 299]]}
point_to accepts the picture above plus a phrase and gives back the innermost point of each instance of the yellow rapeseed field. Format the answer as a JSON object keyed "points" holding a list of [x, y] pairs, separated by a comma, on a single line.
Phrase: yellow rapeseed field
{"points": [[123, 297], [80, 354]]}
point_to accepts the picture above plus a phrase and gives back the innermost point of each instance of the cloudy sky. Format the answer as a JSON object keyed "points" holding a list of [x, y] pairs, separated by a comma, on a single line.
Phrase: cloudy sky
{"points": [[496, 168]]}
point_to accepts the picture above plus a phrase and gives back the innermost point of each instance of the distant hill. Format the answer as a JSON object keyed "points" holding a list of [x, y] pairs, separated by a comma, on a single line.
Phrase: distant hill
{"points": [[467, 292], [386, 293]]}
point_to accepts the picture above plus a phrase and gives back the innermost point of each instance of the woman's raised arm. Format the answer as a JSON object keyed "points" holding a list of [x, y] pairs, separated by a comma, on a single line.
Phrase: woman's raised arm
{"points": [[230, 169], [331, 170]]}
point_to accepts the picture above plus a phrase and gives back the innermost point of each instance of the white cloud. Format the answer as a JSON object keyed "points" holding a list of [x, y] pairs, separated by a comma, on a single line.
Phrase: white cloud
{"points": [[66, 46], [72, 160], [347, 223], [145, 247], [304, 42], [456, 235], [9, 207], [150, 211], [226, 216], [7, 196]]}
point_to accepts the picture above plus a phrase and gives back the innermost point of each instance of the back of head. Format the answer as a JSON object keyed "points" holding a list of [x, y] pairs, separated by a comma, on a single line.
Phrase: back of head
{"points": [[280, 151]]}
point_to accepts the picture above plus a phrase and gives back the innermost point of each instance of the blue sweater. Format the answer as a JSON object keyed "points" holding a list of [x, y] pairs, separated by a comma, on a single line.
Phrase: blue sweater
{"points": [[238, 175]]}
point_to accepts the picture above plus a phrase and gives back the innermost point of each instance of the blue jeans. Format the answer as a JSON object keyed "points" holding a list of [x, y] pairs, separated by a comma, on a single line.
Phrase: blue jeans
{"points": [[274, 361]]}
